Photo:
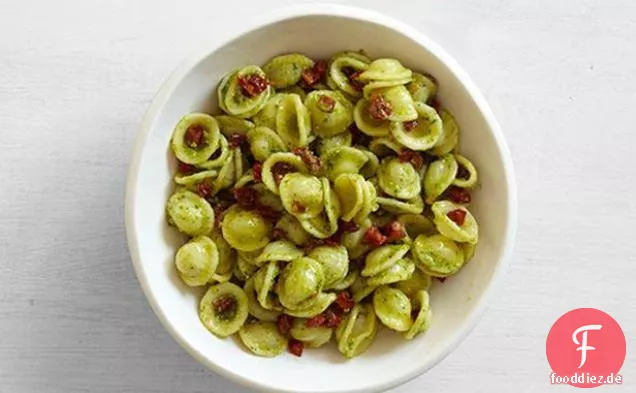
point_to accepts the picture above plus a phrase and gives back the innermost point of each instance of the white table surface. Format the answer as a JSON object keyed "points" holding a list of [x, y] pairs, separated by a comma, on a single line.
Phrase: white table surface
{"points": [[76, 77]]}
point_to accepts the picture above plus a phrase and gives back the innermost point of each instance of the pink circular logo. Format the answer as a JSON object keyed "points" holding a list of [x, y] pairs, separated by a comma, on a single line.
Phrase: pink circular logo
{"points": [[586, 348]]}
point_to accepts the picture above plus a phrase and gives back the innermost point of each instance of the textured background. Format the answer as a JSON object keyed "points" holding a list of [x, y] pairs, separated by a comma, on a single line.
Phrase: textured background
{"points": [[76, 77]]}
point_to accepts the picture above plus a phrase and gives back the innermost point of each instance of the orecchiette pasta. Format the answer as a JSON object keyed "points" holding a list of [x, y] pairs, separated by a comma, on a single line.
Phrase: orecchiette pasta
{"points": [[357, 331], [245, 230], [423, 87], [244, 92], [393, 308], [286, 70], [262, 338], [331, 113], [292, 121], [422, 322], [325, 224], [302, 195], [421, 133], [399, 179], [450, 135], [264, 142], [197, 260], [439, 176], [313, 337], [195, 138], [300, 282], [342, 70], [343, 159], [190, 213], [465, 232], [320, 201], [437, 255], [223, 309], [230, 125]]}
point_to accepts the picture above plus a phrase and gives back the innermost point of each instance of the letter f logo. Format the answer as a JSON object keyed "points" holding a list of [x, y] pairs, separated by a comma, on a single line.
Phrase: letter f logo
{"points": [[584, 347]]}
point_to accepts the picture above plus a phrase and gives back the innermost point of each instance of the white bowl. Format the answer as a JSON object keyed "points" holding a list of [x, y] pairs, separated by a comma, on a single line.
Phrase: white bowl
{"points": [[319, 31]]}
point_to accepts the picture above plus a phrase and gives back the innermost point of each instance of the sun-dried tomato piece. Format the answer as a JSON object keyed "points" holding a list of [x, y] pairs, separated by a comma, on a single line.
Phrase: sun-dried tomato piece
{"points": [[284, 323], [410, 125], [415, 158], [309, 158], [345, 301], [457, 216], [298, 207], [333, 320], [355, 82], [332, 241], [219, 213], [194, 135], [374, 237], [379, 108], [326, 103], [267, 212], [393, 231], [280, 169], [348, 226], [224, 304], [184, 168], [246, 197], [252, 85], [315, 74], [257, 171], [204, 189], [237, 140], [278, 234], [295, 347], [458, 195], [318, 320]]}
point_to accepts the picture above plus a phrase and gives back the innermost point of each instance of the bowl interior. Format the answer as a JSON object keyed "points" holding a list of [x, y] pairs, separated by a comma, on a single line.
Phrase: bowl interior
{"points": [[391, 359]]}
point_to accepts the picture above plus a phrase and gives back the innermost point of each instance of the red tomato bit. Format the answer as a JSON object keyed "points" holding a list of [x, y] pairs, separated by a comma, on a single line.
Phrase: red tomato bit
{"points": [[458, 195], [345, 301], [374, 237], [333, 320], [296, 347], [326, 104], [224, 304], [184, 168], [257, 171], [410, 125], [315, 74], [355, 82], [204, 189], [246, 197], [284, 323], [194, 135], [252, 85], [348, 226], [393, 231], [280, 169], [309, 158], [379, 108], [237, 140], [318, 320], [457, 216], [413, 157]]}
